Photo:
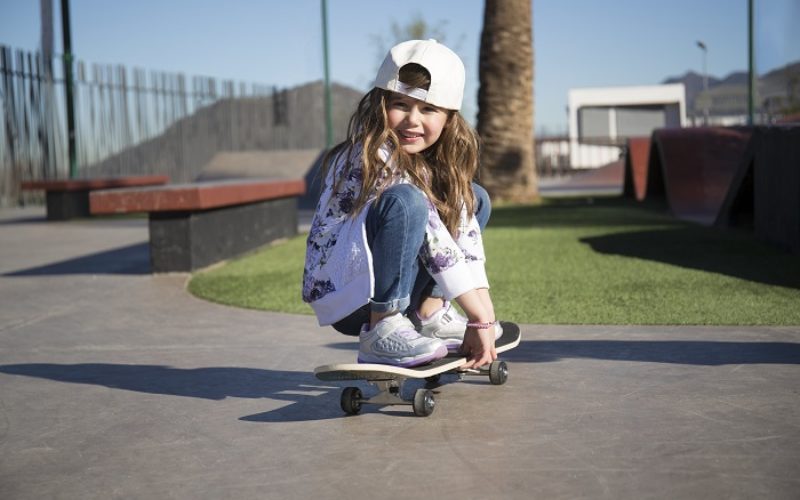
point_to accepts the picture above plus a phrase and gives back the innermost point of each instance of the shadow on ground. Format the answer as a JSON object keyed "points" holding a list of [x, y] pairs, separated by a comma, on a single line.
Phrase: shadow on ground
{"points": [[659, 237], [344, 346], [213, 383], [133, 259], [26, 219], [682, 352], [311, 400], [726, 252], [709, 353]]}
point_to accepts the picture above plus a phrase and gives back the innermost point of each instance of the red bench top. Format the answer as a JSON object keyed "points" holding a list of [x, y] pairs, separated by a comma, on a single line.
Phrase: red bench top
{"points": [[194, 196], [96, 183]]}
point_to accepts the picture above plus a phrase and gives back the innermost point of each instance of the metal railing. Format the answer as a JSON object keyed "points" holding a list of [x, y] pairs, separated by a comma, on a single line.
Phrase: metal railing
{"points": [[559, 155]]}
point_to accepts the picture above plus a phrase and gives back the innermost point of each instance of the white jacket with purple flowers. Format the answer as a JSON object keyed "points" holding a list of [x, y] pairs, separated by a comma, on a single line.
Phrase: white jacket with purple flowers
{"points": [[338, 277]]}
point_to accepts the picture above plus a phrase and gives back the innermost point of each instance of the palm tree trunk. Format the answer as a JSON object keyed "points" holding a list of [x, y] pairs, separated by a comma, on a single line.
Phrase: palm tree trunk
{"points": [[505, 101]]}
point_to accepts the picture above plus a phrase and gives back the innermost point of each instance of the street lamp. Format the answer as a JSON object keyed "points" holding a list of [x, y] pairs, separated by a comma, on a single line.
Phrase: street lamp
{"points": [[705, 80], [327, 79]]}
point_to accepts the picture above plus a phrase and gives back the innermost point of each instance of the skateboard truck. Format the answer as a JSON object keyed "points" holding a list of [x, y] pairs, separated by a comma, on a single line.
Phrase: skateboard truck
{"points": [[423, 403]]}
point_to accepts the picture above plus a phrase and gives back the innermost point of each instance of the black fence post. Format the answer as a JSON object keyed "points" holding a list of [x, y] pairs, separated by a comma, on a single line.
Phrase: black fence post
{"points": [[68, 89]]}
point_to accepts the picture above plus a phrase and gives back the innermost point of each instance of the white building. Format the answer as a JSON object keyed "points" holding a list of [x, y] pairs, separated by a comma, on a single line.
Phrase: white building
{"points": [[601, 119]]}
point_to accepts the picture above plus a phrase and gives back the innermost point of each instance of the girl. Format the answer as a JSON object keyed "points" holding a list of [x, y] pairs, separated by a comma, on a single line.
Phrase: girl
{"points": [[397, 231]]}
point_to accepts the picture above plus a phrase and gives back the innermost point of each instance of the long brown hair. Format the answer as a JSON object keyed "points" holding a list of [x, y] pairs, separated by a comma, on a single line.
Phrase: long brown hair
{"points": [[444, 171]]}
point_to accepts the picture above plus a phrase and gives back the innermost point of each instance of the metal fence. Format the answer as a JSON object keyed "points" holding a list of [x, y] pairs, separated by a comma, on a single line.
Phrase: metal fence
{"points": [[559, 155], [133, 121]]}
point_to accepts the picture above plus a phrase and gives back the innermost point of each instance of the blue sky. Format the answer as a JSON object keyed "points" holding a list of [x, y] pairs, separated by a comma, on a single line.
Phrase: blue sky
{"points": [[578, 43]]}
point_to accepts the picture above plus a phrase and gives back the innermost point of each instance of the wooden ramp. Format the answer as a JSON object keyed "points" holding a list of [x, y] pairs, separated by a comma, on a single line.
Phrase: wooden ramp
{"points": [[692, 169], [725, 176]]}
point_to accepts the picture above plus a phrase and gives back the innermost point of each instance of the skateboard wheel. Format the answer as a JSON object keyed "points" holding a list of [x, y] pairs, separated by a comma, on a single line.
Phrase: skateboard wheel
{"points": [[498, 372], [424, 403], [351, 400]]}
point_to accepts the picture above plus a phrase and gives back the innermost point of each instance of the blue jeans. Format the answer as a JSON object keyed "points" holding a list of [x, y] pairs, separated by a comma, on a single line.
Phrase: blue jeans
{"points": [[395, 227]]}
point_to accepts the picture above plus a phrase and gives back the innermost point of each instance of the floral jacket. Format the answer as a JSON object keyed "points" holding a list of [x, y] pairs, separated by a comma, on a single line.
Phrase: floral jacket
{"points": [[338, 277]]}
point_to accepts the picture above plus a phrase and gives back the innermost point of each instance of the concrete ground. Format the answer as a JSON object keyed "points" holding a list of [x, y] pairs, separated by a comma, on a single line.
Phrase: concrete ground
{"points": [[118, 384]]}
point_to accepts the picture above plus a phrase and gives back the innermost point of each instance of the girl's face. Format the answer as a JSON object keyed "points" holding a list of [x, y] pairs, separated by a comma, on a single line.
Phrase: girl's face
{"points": [[417, 124]]}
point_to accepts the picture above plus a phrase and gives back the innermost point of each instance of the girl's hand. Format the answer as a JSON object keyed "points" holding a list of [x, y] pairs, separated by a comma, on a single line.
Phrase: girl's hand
{"points": [[478, 347]]}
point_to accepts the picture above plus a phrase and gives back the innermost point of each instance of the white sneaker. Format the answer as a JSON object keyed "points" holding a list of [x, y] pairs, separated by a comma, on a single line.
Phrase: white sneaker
{"points": [[394, 341], [448, 325]]}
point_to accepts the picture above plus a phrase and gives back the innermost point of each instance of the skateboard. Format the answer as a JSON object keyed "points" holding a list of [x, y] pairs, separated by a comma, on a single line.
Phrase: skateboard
{"points": [[390, 379]]}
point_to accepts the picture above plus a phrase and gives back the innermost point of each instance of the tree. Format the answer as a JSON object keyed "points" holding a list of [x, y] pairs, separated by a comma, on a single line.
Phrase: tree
{"points": [[505, 101], [416, 29]]}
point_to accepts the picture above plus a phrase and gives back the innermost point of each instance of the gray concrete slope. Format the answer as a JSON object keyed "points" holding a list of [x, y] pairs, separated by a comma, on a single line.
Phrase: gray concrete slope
{"points": [[118, 384]]}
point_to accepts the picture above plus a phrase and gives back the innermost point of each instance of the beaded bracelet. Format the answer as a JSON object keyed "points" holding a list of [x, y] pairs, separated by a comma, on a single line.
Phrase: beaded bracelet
{"points": [[481, 326]]}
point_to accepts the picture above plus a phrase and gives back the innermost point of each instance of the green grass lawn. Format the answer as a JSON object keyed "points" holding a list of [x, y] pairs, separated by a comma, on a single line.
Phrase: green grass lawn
{"points": [[575, 262]]}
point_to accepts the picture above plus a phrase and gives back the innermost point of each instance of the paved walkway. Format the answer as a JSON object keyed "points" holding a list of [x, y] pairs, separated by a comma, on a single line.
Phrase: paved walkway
{"points": [[607, 180], [118, 384]]}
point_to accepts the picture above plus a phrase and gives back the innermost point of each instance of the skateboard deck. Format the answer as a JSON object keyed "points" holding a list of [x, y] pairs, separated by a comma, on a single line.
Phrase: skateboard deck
{"points": [[389, 379]]}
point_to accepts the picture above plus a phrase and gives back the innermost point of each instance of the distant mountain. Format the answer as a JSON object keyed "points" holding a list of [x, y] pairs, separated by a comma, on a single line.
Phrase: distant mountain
{"points": [[726, 92], [735, 78], [693, 82], [780, 89]]}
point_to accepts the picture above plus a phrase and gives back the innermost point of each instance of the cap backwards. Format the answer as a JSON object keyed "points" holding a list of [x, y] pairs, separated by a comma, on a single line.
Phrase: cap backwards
{"points": [[446, 69]]}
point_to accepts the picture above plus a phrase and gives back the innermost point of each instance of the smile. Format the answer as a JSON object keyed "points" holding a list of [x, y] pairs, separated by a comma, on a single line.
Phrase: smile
{"points": [[409, 136]]}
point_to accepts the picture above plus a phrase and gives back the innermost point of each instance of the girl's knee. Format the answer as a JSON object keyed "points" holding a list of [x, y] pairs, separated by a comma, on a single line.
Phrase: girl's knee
{"points": [[481, 195], [483, 205], [408, 192], [409, 197]]}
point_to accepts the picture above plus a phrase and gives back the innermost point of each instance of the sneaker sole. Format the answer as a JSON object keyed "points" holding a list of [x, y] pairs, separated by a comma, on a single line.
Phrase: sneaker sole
{"points": [[439, 353]]}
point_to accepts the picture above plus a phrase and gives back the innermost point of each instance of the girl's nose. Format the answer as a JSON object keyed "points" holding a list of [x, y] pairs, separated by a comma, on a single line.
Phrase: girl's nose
{"points": [[413, 115]]}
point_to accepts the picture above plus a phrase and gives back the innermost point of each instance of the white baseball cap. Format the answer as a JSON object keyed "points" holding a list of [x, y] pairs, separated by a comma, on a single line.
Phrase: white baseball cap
{"points": [[446, 69]]}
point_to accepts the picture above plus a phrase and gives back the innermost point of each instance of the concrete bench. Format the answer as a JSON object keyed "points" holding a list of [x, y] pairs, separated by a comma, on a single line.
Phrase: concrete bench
{"points": [[69, 198], [195, 225]]}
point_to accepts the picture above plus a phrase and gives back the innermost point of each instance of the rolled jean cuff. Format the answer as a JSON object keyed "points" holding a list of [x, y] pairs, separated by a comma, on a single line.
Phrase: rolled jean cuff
{"points": [[393, 305]]}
